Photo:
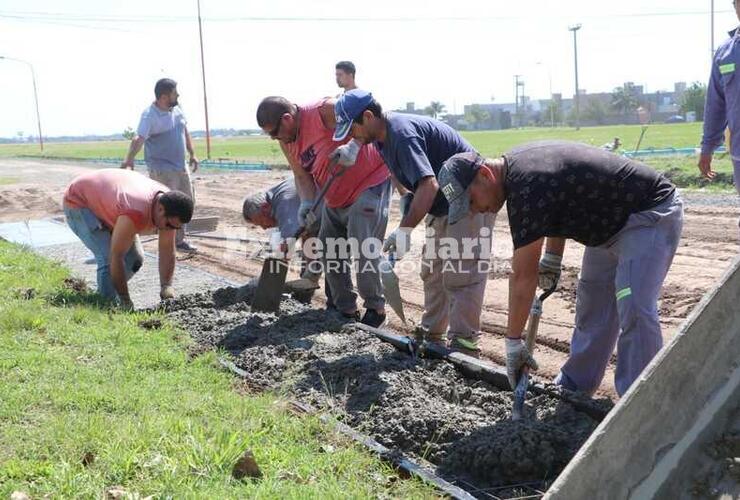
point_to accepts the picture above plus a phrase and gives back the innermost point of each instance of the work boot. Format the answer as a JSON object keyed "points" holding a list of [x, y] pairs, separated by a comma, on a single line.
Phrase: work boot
{"points": [[373, 318], [186, 247], [465, 345]]}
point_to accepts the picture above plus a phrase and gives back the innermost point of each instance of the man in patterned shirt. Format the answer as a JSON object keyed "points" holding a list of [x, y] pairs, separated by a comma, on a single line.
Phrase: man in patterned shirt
{"points": [[629, 217]]}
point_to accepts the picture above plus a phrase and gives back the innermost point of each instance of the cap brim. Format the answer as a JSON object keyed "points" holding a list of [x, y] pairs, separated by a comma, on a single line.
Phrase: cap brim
{"points": [[459, 208], [342, 131]]}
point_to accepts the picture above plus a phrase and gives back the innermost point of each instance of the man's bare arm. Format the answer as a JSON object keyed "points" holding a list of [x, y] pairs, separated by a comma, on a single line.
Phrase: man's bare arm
{"points": [[121, 240], [166, 256], [522, 286], [193, 161], [304, 182], [555, 246], [133, 149], [424, 196]]}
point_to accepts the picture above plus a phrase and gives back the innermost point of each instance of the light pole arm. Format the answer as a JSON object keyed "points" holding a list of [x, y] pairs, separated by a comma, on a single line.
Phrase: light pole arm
{"points": [[35, 95]]}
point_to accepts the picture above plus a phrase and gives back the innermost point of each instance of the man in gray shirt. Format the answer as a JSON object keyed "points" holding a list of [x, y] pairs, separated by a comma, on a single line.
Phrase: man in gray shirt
{"points": [[278, 207], [164, 134]]}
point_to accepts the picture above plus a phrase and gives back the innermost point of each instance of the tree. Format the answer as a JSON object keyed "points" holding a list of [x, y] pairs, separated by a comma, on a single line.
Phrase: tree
{"points": [[129, 133], [624, 99], [595, 111], [553, 113], [435, 109], [476, 115], [693, 99]]}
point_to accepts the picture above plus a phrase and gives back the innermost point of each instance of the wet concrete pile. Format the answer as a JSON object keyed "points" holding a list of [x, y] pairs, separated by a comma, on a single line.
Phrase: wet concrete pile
{"points": [[422, 407]]}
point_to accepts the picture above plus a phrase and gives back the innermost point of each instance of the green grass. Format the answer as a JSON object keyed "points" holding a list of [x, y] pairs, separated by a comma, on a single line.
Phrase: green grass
{"points": [[489, 143], [77, 380], [4, 181]]}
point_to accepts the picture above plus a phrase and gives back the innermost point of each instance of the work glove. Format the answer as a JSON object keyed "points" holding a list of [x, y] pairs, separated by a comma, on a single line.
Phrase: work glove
{"points": [[549, 273], [125, 303], [398, 242], [303, 210], [406, 200], [517, 357], [167, 292], [346, 154]]}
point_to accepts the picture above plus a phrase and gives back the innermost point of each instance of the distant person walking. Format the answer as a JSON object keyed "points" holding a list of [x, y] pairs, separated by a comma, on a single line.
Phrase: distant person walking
{"points": [[722, 107], [164, 134], [345, 73]]}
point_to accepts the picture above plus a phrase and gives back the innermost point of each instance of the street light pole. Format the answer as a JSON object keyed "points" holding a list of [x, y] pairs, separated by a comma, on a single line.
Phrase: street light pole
{"points": [[574, 28], [549, 87], [35, 96], [205, 98]]}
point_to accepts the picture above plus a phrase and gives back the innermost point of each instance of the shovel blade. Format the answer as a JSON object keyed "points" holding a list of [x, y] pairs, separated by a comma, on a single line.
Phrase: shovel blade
{"points": [[270, 286], [389, 281]]}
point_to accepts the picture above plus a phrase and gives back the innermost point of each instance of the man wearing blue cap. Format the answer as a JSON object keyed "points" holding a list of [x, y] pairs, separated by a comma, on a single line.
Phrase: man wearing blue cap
{"points": [[629, 217], [414, 148]]}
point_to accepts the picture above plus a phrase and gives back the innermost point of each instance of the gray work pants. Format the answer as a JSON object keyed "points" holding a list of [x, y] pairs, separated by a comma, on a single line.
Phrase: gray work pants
{"points": [[617, 299], [364, 219], [454, 286], [177, 180]]}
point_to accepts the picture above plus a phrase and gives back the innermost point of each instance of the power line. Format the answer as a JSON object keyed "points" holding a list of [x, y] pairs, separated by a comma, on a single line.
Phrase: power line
{"points": [[45, 16]]}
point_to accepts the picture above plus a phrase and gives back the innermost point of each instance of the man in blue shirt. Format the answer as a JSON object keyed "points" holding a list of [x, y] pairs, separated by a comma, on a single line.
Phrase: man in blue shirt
{"points": [[455, 258], [164, 134], [722, 108]]}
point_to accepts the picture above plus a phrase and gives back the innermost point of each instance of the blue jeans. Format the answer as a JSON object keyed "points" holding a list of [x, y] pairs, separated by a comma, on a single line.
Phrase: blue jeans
{"points": [[97, 239]]}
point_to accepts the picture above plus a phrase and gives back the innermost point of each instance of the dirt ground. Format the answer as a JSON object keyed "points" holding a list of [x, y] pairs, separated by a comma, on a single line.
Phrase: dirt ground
{"points": [[708, 245]]}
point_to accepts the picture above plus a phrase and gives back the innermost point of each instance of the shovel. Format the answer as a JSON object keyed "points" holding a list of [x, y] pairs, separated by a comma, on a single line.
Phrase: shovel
{"points": [[389, 279], [274, 270], [520, 391]]}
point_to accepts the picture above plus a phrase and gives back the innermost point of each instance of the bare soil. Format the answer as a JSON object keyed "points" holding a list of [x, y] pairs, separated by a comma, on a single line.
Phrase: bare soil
{"points": [[709, 243]]}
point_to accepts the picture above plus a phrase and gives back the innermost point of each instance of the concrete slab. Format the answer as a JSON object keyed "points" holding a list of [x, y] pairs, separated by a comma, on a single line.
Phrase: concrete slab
{"points": [[646, 445], [37, 233]]}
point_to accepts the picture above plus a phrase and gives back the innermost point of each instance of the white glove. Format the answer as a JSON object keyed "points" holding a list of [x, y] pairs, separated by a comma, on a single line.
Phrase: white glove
{"points": [[303, 211], [517, 356], [398, 242], [549, 273], [167, 292], [346, 154]]}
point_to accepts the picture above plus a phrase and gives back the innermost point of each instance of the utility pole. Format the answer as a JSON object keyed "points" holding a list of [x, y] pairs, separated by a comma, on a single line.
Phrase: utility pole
{"points": [[518, 83], [35, 95], [205, 96], [574, 28]]}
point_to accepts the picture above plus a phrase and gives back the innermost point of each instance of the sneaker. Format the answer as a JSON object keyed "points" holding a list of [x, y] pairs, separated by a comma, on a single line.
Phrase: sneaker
{"points": [[373, 318], [186, 247], [465, 346]]}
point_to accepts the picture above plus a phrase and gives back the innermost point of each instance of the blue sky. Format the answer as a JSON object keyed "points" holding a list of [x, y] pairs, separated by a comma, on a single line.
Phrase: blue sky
{"points": [[96, 62]]}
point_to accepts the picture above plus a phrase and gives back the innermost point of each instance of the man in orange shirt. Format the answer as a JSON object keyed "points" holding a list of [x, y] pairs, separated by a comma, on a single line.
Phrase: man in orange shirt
{"points": [[355, 206], [107, 209]]}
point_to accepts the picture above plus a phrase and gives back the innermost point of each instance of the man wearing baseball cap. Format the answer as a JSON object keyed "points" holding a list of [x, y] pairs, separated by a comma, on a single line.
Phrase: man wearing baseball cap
{"points": [[414, 148], [355, 205], [627, 215]]}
